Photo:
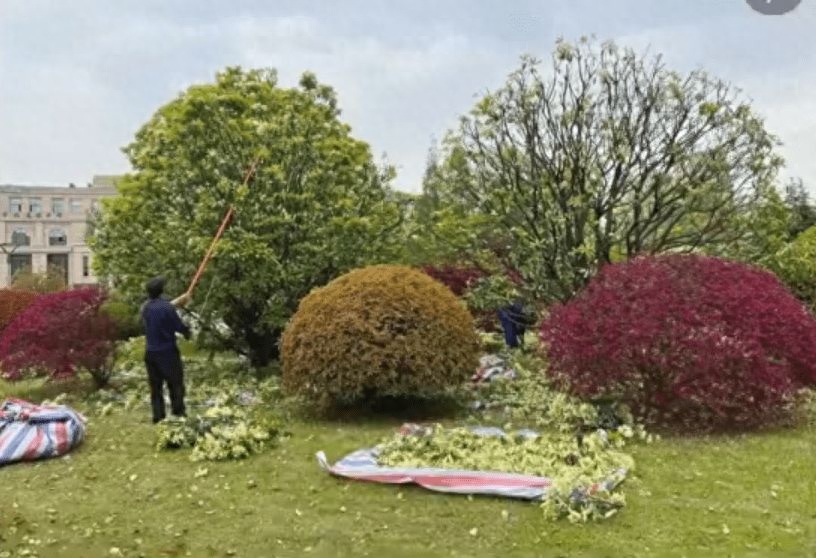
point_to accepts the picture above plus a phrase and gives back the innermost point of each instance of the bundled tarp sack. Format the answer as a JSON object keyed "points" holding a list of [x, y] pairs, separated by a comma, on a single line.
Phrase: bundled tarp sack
{"points": [[363, 465], [29, 432], [493, 367]]}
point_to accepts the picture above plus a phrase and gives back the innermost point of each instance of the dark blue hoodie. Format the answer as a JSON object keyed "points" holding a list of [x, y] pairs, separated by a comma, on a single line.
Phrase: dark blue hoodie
{"points": [[161, 323]]}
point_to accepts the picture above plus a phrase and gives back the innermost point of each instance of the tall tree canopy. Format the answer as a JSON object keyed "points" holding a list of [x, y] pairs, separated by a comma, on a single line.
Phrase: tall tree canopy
{"points": [[316, 207], [607, 156], [803, 212]]}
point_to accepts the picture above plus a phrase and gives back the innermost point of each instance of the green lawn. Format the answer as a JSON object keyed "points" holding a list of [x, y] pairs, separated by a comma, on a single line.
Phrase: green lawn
{"points": [[744, 496]]}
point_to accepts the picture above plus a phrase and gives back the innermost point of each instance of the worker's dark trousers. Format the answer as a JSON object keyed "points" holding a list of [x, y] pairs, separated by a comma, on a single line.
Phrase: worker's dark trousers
{"points": [[165, 366], [511, 325]]}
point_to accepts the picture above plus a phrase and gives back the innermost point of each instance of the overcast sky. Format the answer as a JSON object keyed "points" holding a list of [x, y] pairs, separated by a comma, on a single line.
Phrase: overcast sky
{"points": [[78, 77]]}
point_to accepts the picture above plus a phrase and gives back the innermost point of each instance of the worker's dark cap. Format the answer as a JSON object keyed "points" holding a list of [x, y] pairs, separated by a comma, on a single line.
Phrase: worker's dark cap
{"points": [[155, 287]]}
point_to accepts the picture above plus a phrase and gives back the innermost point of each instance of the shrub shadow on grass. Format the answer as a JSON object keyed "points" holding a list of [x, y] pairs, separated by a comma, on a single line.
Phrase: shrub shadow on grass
{"points": [[799, 413], [384, 410]]}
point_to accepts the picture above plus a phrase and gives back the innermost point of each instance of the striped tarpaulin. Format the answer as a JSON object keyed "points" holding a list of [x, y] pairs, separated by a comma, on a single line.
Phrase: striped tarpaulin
{"points": [[29, 432], [492, 367], [362, 465]]}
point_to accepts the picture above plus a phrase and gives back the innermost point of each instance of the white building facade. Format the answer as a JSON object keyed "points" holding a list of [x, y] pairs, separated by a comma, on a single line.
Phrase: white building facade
{"points": [[44, 228]]}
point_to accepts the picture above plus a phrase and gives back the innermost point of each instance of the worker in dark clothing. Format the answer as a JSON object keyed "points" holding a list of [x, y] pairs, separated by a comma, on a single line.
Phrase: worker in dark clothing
{"points": [[515, 321], [162, 358]]}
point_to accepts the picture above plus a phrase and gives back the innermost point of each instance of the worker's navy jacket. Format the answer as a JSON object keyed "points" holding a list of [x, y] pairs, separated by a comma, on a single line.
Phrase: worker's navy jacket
{"points": [[161, 323]]}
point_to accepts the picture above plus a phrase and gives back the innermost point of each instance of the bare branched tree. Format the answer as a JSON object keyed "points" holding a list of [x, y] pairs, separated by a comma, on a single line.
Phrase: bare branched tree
{"points": [[609, 156]]}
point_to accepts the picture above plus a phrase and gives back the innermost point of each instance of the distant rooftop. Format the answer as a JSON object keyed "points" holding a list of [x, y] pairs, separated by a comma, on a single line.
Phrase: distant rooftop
{"points": [[105, 180], [99, 182]]}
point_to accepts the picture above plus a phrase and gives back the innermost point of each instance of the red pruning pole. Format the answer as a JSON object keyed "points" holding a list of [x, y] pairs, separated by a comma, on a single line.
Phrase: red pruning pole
{"points": [[218, 234]]}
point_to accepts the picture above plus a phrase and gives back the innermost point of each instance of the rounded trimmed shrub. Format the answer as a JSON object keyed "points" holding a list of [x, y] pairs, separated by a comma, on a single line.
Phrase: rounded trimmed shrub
{"points": [[690, 341], [381, 331], [12, 303]]}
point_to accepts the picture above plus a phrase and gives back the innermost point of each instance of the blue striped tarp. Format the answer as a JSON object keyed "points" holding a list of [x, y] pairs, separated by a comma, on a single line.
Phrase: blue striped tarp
{"points": [[363, 465], [29, 432]]}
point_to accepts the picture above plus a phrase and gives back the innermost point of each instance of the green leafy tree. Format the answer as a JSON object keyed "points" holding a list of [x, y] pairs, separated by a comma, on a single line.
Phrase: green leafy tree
{"points": [[51, 281], [316, 207], [421, 242], [608, 156], [795, 265], [444, 233], [764, 230], [803, 212]]}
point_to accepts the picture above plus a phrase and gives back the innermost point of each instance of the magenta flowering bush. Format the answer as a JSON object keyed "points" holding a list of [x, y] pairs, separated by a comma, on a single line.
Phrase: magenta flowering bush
{"points": [[691, 341], [59, 334], [457, 278]]}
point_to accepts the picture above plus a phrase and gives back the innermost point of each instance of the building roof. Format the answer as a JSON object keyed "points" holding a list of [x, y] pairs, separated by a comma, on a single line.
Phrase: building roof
{"points": [[105, 180], [89, 190], [100, 184]]}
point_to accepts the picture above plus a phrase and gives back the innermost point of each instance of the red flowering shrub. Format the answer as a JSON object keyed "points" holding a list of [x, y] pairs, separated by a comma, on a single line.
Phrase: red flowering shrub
{"points": [[460, 279], [690, 341], [12, 302], [457, 279], [59, 334]]}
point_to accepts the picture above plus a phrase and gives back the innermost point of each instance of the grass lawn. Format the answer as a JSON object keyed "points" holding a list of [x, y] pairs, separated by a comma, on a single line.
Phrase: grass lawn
{"points": [[741, 496]]}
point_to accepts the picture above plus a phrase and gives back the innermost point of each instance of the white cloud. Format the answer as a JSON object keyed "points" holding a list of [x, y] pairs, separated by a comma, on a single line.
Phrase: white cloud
{"points": [[389, 93], [78, 78], [789, 108], [56, 115]]}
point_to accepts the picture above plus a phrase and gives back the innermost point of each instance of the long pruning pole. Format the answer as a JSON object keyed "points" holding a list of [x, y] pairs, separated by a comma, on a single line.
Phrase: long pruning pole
{"points": [[224, 223]]}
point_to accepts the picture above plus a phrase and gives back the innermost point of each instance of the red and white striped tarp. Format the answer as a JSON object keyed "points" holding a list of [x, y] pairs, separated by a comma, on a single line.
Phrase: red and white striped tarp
{"points": [[362, 465], [492, 367], [29, 432]]}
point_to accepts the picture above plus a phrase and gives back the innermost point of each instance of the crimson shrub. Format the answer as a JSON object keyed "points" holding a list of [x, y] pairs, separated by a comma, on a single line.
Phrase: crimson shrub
{"points": [[695, 342], [456, 278], [59, 334]]}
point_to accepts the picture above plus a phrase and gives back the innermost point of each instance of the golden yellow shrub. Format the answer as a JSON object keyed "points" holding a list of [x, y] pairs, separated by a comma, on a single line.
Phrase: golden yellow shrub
{"points": [[375, 332]]}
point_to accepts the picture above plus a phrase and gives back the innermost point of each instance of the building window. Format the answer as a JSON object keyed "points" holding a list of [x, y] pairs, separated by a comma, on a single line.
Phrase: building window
{"points": [[86, 266], [57, 206], [15, 205], [35, 205], [56, 237], [19, 263], [76, 206], [20, 237]]}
